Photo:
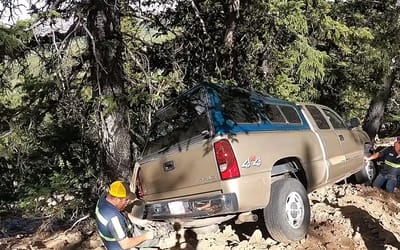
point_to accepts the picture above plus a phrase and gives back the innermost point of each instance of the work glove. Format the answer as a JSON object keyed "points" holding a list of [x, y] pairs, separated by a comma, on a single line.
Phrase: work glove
{"points": [[149, 235]]}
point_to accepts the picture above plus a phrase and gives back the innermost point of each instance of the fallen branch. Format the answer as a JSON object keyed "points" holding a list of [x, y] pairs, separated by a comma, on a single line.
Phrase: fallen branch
{"points": [[76, 222]]}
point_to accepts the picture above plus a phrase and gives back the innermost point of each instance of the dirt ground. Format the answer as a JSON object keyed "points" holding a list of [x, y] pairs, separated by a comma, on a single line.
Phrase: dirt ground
{"points": [[344, 216]]}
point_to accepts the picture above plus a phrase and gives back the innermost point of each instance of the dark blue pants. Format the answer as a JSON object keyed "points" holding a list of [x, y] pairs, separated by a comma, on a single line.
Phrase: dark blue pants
{"points": [[387, 178]]}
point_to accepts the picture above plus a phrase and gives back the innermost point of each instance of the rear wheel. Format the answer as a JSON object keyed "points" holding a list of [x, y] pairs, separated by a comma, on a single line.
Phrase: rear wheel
{"points": [[287, 216]]}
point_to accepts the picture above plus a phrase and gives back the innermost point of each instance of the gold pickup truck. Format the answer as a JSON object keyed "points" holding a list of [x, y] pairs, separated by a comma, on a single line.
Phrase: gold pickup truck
{"points": [[218, 152]]}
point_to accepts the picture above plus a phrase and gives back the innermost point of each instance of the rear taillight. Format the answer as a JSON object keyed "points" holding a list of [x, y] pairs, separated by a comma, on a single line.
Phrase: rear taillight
{"points": [[226, 161]]}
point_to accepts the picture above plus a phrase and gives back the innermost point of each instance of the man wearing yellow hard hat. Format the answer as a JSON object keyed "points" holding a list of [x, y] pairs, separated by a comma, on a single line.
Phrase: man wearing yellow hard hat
{"points": [[121, 230]]}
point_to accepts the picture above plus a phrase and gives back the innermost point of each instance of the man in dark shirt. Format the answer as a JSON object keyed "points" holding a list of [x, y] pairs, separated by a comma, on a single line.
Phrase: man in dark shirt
{"points": [[388, 175], [119, 229]]}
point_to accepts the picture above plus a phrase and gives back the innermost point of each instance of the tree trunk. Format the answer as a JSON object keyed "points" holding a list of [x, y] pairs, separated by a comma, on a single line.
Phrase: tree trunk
{"points": [[107, 77], [374, 117], [232, 14]]}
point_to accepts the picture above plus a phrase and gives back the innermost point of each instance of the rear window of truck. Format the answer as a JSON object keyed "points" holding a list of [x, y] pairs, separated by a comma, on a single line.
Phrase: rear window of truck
{"points": [[179, 121]]}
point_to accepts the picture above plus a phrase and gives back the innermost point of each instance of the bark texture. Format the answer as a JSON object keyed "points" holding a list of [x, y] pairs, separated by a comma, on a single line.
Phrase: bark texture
{"points": [[374, 117], [232, 15], [105, 41]]}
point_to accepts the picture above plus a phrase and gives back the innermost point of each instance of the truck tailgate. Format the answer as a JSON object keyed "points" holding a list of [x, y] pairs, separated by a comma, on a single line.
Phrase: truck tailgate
{"points": [[180, 172]]}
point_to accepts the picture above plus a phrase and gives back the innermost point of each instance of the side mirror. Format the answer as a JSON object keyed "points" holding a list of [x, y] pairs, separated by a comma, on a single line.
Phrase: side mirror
{"points": [[354, 122]]}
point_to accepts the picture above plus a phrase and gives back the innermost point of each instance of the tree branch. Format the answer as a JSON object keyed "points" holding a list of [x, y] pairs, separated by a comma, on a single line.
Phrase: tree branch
{"points": [[76, 222], [197, 13]]}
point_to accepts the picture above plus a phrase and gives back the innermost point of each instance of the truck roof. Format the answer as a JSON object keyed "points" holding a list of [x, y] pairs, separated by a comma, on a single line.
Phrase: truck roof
{"points": [[254, 93]]}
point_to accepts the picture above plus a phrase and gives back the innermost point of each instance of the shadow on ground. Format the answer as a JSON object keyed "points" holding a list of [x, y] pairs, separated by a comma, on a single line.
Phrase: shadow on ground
{"points": [[245, 230], [374, 235]]}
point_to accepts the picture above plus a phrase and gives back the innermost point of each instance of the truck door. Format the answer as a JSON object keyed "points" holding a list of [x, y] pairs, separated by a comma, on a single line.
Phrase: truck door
{"points": [[352, 148], [334, 156]]}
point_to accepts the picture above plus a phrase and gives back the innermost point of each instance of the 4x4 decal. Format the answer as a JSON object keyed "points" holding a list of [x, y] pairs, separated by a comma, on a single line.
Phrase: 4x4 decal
{"points": [[252, 161]]}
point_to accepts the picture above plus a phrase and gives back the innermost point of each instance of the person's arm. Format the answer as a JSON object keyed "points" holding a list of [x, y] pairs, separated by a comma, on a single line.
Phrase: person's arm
{"points": [[381, 154], [372, 157], [118, 230], [138, 221], [131, 242]]}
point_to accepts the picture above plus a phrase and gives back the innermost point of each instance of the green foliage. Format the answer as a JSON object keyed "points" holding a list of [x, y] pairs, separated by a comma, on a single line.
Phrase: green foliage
{"points": [[13, 39], [289, 15], [334, 53], [47, 145], [87, 93], [109, 104]]}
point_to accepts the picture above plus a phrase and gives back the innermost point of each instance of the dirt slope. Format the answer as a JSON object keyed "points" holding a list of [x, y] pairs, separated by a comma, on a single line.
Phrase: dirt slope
{"points": [[343, 216]]}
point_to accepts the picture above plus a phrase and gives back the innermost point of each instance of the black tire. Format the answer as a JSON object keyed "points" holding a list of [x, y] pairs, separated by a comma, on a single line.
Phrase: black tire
{"points": [[286, 225], [367, 174]]}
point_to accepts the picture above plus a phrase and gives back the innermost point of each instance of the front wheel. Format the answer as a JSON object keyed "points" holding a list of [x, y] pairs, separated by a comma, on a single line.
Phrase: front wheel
{"points": [[287, 216], [366, 174]]}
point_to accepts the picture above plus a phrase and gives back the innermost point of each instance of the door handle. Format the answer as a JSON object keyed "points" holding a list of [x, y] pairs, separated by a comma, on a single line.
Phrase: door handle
{"points": [[341, 137], [169, 166]]}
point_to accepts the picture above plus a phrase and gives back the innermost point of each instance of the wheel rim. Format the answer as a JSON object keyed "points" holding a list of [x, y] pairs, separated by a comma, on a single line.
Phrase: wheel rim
{"points": [[370, 170], [294, 209]]}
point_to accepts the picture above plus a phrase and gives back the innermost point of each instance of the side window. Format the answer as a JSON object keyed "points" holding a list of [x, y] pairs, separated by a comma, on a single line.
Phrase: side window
{"points": [[335, 120], [318, 117], [272, 113], [239, 107], [291, 114]]}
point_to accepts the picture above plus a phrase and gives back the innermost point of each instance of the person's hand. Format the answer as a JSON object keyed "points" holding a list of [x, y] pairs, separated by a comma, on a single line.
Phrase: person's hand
{"points": [[149, 235]]}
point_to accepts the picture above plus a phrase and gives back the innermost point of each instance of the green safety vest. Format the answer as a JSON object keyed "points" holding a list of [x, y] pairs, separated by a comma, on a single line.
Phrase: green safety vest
{"points": [[391, 164]]}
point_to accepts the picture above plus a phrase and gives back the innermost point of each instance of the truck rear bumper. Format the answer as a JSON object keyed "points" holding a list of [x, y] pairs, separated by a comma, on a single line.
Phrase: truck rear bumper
{"points": [[194, 207]]}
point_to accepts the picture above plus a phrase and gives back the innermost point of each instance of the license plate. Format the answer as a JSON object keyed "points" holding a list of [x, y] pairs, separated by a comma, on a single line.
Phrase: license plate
{"points": [[176, 207]]}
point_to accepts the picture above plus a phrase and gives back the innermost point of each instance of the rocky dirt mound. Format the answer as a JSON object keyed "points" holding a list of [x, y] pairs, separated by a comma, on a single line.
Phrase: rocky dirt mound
{"points": [[343, 216]]}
